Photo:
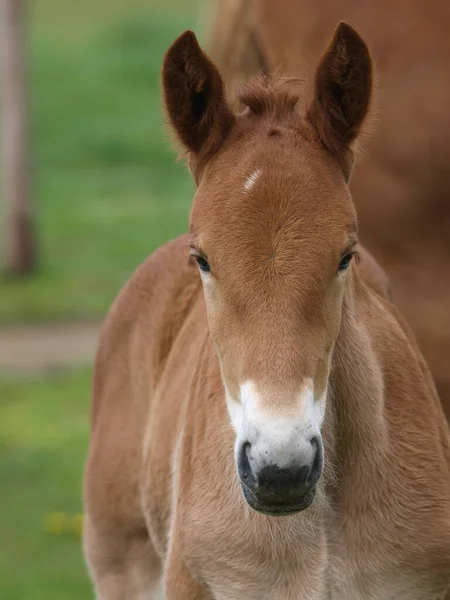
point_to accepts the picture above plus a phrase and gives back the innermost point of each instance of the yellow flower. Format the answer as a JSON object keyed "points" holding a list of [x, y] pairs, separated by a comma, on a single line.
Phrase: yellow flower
{"points": [[56, 523]]}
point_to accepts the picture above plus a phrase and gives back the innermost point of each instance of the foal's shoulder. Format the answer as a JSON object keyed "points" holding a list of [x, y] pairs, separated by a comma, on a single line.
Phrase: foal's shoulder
{"points": [[151, 307]]}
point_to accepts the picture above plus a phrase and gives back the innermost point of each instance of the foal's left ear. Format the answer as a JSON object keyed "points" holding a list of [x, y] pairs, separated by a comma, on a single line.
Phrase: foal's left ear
{"points": [[195, 98], [342, 93]]}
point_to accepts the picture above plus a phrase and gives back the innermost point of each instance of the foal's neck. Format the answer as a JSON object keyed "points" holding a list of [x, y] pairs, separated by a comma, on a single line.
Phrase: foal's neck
{"points": [[356, 434]]}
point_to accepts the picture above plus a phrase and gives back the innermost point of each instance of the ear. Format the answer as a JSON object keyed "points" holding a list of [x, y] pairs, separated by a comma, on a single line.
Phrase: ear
{"points": [[342, 93], [194, 97]]}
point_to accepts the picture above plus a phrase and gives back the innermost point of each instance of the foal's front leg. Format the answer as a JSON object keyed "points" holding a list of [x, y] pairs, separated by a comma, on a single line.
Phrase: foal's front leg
{"points": [[179, 583], [121, 566]]}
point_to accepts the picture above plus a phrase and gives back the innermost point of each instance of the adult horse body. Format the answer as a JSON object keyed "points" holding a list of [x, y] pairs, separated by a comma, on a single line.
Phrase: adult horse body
{"points": [[401, 188], [267, 429]]}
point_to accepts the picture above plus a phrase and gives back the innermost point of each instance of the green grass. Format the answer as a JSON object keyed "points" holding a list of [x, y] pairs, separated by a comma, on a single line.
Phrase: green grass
{"points": [[107, 189], [43, 439]]}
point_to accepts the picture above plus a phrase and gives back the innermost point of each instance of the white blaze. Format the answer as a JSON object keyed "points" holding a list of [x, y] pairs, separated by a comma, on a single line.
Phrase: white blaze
{"points": [[250, 181]]}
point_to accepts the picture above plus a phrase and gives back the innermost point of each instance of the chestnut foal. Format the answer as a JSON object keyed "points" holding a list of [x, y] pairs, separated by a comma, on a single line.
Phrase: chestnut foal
{"points": [[264, 425]]}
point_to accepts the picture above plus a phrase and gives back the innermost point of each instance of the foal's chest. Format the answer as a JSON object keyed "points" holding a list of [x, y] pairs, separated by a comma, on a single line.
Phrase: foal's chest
{"points": [[402, 587], [310, 585], [307, 569], [261, 559], [382, 580]]}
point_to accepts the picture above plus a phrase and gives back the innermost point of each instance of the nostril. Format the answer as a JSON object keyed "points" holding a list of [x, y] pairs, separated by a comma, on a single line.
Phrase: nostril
{"points": [[246, 463], [244, 468], [317, 464]]}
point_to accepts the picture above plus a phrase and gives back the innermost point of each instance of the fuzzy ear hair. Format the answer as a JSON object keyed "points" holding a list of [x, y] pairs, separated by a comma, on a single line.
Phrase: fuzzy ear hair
{"points": [[342, 92], [194, 97]]}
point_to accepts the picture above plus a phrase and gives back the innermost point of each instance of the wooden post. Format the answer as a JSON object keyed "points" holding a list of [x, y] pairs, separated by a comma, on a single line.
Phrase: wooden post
{"points": [[18, 241]]}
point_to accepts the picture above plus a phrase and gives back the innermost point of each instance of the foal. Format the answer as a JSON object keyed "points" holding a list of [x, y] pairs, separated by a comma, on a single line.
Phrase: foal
{"points": [[264, 426]]}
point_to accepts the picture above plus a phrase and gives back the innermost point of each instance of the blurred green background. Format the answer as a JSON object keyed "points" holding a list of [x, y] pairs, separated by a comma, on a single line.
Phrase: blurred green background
{"points": [[106, 191]]}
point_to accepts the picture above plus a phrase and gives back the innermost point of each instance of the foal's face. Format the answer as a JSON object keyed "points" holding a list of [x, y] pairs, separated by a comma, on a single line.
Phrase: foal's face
{"points": [[273, 231]]}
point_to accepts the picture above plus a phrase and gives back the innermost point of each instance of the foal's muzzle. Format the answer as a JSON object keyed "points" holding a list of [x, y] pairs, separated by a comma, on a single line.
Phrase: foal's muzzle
{"points": [[276, 490]]}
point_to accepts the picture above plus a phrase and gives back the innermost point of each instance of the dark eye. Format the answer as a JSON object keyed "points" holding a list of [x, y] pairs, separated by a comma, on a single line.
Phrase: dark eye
{"points": [[203, 264], [345, 261]]}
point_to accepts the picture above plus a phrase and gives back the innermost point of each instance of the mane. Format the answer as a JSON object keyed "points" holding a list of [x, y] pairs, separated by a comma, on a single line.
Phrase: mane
{"points": [[272, 96]]}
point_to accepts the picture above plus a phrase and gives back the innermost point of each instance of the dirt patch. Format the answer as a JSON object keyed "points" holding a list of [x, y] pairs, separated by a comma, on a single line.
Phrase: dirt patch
{"points": [[41, 348]]}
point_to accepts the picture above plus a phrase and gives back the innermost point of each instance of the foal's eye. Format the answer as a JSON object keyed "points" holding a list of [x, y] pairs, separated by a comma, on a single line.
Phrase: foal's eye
{"points": [[203, 264], [345, 261]]}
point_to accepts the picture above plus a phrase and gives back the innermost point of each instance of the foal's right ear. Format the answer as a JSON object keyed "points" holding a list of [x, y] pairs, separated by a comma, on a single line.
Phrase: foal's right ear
{"points": [[194, 97]]}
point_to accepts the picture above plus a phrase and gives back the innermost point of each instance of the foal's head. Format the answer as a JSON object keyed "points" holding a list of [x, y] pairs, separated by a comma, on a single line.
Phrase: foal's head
{"points": [[273, 231]]}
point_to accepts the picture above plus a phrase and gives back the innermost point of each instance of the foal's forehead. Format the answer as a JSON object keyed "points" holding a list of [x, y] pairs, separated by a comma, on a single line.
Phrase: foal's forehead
{"points": [[271, 172]]}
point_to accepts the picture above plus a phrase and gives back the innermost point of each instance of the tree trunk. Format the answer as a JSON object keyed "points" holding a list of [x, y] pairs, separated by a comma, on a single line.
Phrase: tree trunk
{"points": [[18, 240]]}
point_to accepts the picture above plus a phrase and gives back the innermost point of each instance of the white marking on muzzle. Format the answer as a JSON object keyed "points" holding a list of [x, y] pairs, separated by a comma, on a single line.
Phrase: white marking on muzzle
{"points": [[280, 438]]}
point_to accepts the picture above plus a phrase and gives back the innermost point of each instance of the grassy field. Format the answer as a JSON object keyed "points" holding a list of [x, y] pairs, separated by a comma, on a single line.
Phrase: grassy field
{"points": [[43, 440], [107, 189]]}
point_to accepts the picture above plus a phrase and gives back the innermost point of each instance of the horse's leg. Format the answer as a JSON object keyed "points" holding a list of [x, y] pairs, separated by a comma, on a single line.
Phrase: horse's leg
{"points": [[179, 582], [121, 566]]}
